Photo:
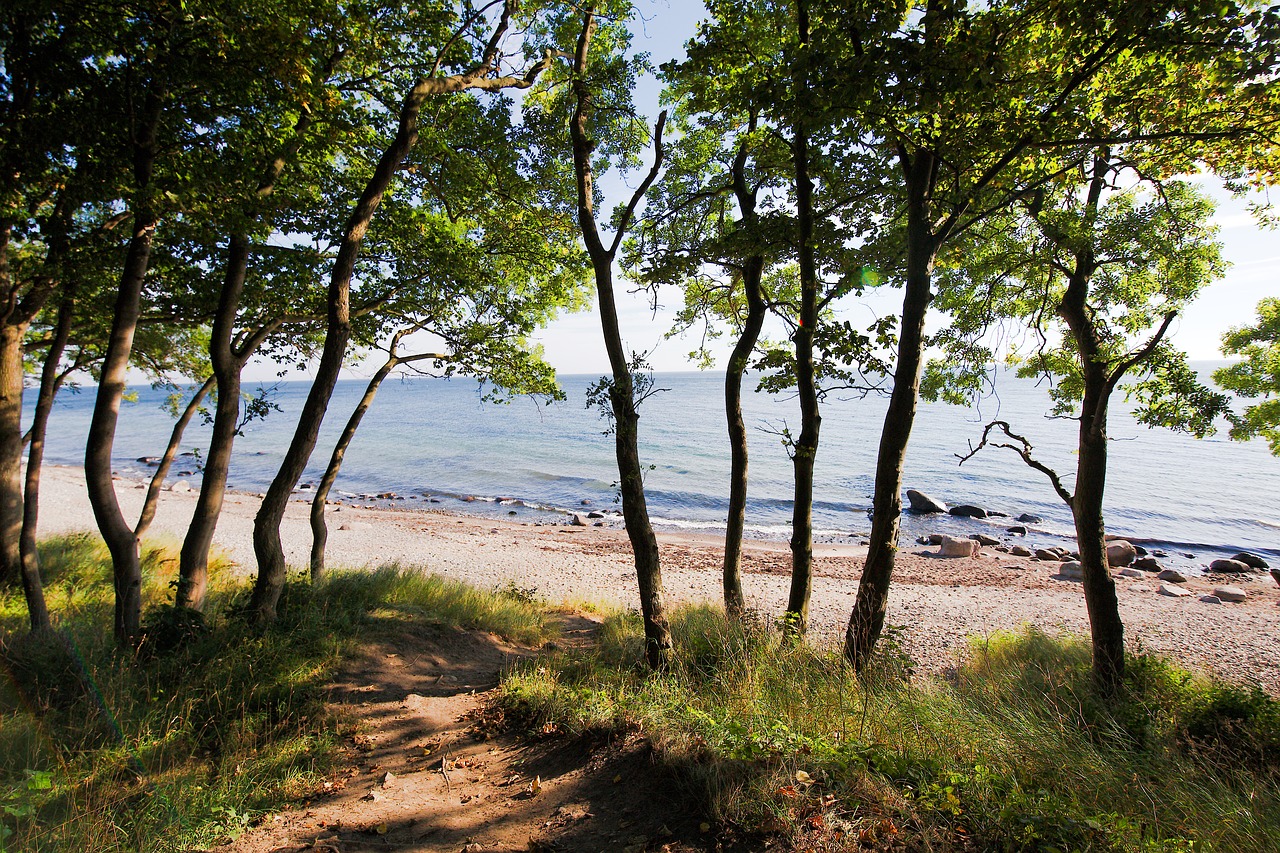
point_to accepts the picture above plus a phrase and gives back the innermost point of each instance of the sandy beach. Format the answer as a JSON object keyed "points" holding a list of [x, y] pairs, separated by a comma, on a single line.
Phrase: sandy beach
{"points": [[939, 603]]}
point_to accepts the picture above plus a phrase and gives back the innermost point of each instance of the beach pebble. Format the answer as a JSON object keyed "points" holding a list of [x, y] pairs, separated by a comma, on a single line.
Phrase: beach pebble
{"points": [[984, 539], [923, 504], [1018, 530], [1130, 573], [1175, 591], [1020, 551], [1072, 570], [1028, 518], [1230, 593], [1210, 599], [1172, 575], [968, 511], [1120, 553], [1048, 555], [1230, 567], [180, 486], [1148, 564], [1253, 561], [953, 547]]}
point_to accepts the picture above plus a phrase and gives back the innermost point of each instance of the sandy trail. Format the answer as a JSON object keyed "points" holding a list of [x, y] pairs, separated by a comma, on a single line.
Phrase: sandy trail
{"points": [[940, 603]]}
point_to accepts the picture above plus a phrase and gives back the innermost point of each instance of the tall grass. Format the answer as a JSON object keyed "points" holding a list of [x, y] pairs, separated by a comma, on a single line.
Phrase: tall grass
{"points": [[1012, 753], [213, 724]]}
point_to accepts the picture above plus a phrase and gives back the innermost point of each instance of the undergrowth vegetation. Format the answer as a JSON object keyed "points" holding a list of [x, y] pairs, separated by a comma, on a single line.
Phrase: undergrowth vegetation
{"points": [[212, 723], [1012, 751]]}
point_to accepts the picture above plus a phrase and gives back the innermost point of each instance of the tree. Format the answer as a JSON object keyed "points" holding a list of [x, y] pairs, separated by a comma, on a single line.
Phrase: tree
{"points": [[477, 59], [1070, 79], [1113, 268], [1256, 375]]}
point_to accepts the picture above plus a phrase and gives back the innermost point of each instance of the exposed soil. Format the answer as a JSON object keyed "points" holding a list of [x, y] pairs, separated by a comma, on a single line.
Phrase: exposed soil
{"points": [[423, 768]]}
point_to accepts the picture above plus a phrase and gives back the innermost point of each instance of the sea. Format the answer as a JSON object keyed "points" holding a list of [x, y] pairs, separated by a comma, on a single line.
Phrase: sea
{"points": [[434, 443]]}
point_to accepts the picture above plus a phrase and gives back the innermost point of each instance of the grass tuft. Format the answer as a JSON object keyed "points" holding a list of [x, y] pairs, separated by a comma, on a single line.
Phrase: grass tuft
{"points": [[1014, 752]]}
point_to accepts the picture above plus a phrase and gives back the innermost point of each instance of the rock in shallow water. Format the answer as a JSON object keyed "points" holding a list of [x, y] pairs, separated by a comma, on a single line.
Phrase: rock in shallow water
{"points": [[968, 511], [922, 503], [1253, 561], [1230, 567], [1148, 564]]}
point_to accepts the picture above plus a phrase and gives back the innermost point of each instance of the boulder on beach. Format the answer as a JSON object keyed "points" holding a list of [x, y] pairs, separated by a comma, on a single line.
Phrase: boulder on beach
{"points": [[1072, 570], [1049, 555], [1230, 593], [1020, 551], [595, 513], [955, 547], [984, 539], [1172, 575], [1120, 553], [933, 539], [1230, 567], [1275, 575], [578, 521], [1253, 561], [180, 486], [1148, 564], [968, 511], [923, 504], [1174, 591]]}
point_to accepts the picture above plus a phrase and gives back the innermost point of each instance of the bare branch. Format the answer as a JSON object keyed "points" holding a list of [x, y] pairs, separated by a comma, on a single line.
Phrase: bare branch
{"points": [[1023, 449]]}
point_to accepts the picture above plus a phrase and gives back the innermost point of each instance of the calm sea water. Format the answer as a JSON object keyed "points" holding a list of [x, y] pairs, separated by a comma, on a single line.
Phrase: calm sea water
{"points": [[428, 439]]}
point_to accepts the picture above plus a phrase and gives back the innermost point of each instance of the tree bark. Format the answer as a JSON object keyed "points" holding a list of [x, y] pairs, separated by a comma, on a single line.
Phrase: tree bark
{"points": [[867, 619], [752, 272], [266, 529], [152, 500], [193, 564], [11, 377], [805, 450], [32, 585], [635, 510], [319, 530]]}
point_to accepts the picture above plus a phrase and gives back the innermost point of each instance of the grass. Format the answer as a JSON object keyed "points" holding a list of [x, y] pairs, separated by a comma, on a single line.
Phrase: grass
{"points": [[1012, 753], [215, 724]]}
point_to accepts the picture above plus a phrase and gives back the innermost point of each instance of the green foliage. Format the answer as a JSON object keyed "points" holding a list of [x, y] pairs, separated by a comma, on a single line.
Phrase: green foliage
{"points": [[1256, 375], [1015, 751]]}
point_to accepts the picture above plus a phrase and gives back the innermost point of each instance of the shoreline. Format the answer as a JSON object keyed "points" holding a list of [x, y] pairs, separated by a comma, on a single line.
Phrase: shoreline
{"points": [[939, 603]]}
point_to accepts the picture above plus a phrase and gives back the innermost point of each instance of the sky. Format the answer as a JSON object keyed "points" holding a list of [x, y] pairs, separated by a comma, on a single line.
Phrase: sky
{"points": [[573, 343]]}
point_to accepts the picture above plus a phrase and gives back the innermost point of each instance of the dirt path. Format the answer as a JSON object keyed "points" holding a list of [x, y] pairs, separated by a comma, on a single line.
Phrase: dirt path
{"points": [[423, 772]]}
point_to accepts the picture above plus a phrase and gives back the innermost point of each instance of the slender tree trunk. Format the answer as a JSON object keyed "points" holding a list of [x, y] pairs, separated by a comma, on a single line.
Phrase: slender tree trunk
{"points": [[635, 510], [752, 272], [32, 586], [123, 545], [1105, 625], [867, 619], [11, 376], [193, 565], [319, 530], [152, 500], [805, 450]]}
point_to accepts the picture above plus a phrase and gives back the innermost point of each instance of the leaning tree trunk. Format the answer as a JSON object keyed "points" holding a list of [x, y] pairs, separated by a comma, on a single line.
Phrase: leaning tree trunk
{"points": [[867, 619], [32, 586], [752, 272], [11, 380], [319, 530], [152, 500], [626, 418]]}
